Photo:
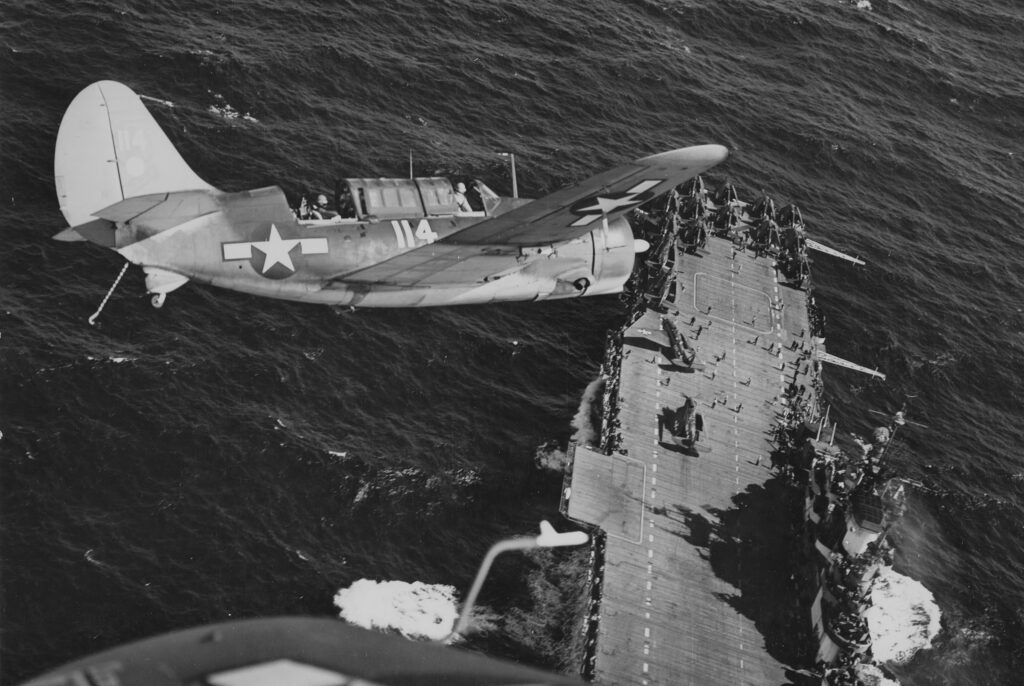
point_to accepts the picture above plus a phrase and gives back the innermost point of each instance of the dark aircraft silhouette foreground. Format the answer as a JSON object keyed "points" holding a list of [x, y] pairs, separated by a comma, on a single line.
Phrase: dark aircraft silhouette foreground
{"points": [[397, 242], [288, 651], [298, 651]]}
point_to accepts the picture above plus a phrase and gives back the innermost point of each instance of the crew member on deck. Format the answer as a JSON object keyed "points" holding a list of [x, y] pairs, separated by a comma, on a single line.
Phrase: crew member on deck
{"points": [[320, 209], [461, 203]]}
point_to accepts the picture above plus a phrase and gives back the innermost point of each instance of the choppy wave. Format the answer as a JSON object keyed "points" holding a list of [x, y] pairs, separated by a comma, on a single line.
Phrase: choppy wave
{"points": [[897, 131]]}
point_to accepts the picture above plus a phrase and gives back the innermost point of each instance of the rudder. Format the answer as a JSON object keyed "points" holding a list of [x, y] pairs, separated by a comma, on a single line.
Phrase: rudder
{"points": [[110, 148]]}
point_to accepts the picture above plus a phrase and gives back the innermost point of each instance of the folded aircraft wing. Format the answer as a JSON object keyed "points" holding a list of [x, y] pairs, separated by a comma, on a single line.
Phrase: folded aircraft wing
{"points": [[840, 362], [820, 247], [480, 250]]}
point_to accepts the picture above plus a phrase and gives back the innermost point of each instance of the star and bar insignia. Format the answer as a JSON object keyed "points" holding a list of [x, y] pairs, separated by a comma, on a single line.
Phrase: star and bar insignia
{"points": [[272, 258], [594, 207]]}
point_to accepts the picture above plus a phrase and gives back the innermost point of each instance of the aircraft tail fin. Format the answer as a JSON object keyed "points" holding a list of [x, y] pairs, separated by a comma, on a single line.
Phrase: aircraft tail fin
{"points": [[110, 148]]}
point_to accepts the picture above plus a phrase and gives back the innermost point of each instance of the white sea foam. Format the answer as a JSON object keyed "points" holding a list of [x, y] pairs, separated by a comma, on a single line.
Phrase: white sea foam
{"points": [[903, 618], [226, 111], [870, 675], [586, 434], [116, 359], [550, 457], [416, 610]]}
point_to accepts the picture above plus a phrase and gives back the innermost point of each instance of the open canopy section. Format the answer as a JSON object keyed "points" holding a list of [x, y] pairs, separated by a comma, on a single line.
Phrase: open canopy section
{"points": [[384, 199]]}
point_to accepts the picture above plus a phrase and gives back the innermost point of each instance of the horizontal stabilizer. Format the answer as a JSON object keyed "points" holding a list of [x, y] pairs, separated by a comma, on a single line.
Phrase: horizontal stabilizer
{"points": [[99, 231], [840, 362], [182, 205], [69, 235], [815, 245]]}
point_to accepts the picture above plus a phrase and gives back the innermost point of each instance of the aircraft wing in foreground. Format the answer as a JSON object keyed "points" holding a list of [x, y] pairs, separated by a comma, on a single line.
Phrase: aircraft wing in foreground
{"points": [[387, 243], [301, 651]]}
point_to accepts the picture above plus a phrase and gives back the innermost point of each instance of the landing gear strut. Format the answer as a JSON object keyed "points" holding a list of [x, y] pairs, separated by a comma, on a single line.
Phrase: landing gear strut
{"points": [[158, 300]]}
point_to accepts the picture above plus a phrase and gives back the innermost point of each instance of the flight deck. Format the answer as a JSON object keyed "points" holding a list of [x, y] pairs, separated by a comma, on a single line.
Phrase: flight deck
{"points": [[680, 585]]}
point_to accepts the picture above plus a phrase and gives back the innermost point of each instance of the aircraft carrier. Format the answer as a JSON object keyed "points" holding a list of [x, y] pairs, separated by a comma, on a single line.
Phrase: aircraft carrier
{"points": [[700, 483]]}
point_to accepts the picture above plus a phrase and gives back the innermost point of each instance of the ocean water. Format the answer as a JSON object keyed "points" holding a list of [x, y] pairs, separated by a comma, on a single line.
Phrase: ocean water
{"points": [[228, 456]]}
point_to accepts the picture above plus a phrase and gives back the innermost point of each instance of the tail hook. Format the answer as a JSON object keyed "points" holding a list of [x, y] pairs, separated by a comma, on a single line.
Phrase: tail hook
{"points": [[96, 314]]}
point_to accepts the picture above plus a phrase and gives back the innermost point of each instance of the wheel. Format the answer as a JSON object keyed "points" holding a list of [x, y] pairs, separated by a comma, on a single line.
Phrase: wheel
{"points": [[158, 300]]}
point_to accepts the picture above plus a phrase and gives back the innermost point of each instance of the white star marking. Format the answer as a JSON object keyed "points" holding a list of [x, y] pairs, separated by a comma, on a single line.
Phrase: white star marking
{"points": [[277, 250], [606, 205], [603, 205]]}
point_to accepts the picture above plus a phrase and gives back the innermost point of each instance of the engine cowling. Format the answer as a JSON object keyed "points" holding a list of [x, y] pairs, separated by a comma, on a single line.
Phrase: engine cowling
{"points": [[608, 252]]}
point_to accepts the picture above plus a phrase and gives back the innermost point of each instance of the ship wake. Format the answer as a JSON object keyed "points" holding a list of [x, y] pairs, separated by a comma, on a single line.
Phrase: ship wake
{"points": [[903, 617], [415, 610], [584, 422]]}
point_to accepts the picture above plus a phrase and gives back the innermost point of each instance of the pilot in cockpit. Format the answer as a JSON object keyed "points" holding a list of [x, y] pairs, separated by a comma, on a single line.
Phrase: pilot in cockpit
{"points": [[320, 210], [461, 203]]}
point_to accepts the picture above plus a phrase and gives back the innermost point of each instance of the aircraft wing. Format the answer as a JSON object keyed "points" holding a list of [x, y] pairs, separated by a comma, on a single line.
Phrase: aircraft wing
{"points": [[469, 255], [815, 245], [840, 362]]}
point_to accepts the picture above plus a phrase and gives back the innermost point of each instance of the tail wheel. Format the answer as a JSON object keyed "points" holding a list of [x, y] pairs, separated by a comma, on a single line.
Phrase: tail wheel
{"points": [[158, 300]]}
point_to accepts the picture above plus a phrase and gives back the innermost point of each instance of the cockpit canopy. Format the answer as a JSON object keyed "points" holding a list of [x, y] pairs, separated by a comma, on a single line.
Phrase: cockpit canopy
{"points": [[401, 198], [390, 199], [428, 196]]}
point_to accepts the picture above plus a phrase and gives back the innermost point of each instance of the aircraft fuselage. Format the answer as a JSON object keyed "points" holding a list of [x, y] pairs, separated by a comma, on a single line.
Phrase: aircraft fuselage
{"points": [[251, 242]]}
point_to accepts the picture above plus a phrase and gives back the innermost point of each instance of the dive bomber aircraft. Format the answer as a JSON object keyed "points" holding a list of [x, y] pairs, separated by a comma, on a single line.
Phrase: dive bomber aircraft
{"points": [[122, 185]]}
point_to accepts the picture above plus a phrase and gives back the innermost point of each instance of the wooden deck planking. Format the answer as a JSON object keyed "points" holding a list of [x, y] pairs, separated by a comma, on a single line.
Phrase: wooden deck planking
{"points": [[665, 615]]}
